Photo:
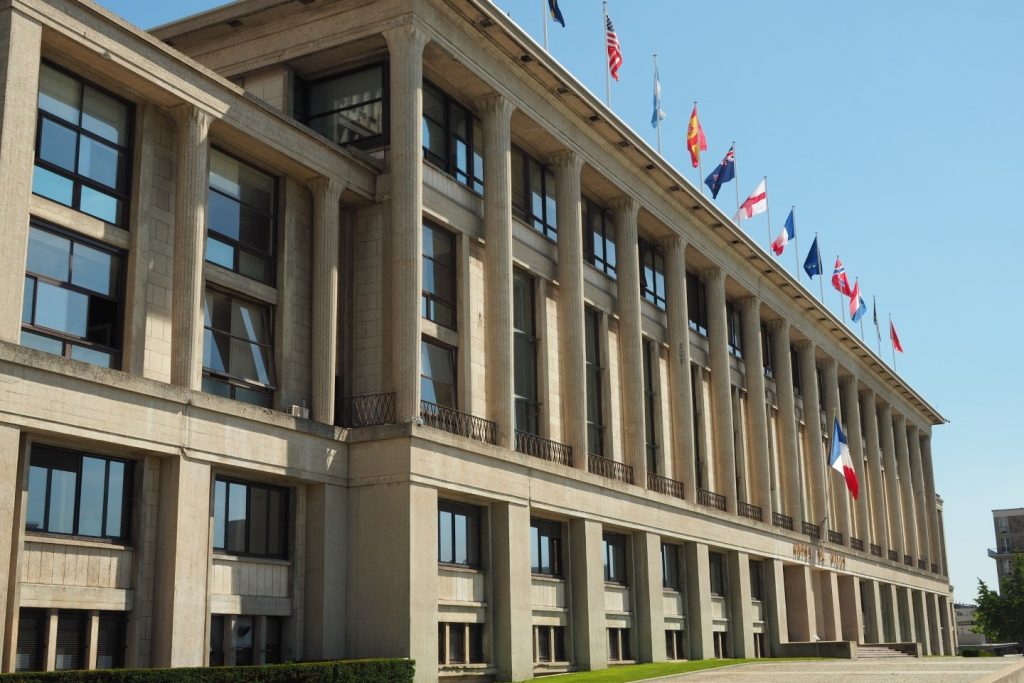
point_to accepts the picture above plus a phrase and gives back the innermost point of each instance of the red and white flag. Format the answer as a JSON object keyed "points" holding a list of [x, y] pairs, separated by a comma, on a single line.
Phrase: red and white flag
{"points": [[614, 51], [895, 338], [756, 203]]}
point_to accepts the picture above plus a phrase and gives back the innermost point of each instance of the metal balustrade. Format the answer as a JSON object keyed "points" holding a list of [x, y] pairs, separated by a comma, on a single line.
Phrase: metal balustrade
{"points": [[781, 520], [876, 550], [812, 530], [749, 511], [894, 556], [835, 537], [365, 411], [908, 560], [660, 484], [922, 565], [856, 543], [609, 469], [711, 499], [545, 449], [455, 422]]}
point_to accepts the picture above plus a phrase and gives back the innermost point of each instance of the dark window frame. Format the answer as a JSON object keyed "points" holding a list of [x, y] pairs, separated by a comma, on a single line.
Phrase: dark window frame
{"points": [[233, 382], [650, 353], [670, 567], [595, 382], [428, 298], [767, 352], [718, 579], [452, 352], [471, 640], [25, 616], [615, 572], [544, 224], [249, 485], [549, 533], [696, 304], [305, 87], [473, 541], [652, 258], [794, 363], [734, 325], [530, 406], [554, 637], [599, 228], [757, 585], [471, 177], [119, 645]]}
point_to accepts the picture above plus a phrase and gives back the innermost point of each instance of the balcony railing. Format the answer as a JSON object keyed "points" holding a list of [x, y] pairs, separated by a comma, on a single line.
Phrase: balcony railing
{"points": [[781, 520], [935, 568], [660, 484], [365, 411], [894, 556], [922, 565], [711, 499], [609, 469], [856, 543], [876, 550], [908, 560], [749, 511], [454, 422], [812, 530], [835, 537], [545, 449]]}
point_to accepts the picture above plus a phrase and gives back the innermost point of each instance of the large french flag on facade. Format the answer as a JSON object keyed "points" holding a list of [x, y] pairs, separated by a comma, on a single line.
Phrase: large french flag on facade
{"points": [[788, 233], [840, 459]]}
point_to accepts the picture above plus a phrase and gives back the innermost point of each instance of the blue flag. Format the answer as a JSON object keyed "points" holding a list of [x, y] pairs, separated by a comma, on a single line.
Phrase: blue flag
{"points": [[658, 114], [812, 264], [722, 174], [556, 13]]}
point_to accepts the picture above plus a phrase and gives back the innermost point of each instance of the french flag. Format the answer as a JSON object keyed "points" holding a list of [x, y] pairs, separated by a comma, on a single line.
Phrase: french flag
{"points": [[840, 459], [788, 233]]}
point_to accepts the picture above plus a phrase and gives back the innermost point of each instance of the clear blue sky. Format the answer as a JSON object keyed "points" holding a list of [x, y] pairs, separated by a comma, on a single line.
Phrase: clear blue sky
{"points": [[896, 130]]}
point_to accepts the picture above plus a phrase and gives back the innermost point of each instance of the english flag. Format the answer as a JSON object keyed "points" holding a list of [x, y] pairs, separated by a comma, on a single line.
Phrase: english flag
{"points": [[839, 279], [756, 203], [840, 459], [895, 338], [788, 233], [857, 306]]}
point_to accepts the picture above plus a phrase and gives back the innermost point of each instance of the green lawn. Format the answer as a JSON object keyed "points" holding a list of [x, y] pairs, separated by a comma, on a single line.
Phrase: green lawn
{"points": [[639, 672]]}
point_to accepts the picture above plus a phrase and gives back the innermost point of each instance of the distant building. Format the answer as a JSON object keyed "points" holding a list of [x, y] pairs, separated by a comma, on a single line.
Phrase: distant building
{"points": [[964, 616], [1009, 528]]}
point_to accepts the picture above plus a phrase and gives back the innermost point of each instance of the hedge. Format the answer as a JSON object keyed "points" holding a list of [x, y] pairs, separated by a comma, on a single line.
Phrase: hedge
{"points": [[351, 671]]}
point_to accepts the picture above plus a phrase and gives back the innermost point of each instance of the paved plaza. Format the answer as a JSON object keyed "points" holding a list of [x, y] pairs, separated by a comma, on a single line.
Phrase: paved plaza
{"points": [[926, 670]]}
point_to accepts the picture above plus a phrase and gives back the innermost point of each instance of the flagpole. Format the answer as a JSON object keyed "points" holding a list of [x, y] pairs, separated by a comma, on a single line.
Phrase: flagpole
{"points": [[607, 71], [768, 211], [657, 111], [821, 271], [735, 177], [858, 308], [544, 17], [700, 158], [874, 316], [842, 306], [796, 243], [829, 492]]}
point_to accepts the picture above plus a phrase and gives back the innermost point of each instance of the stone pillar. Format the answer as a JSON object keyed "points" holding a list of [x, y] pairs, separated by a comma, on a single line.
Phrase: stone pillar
{"points": [[698, 601], [405, 47], [861, 512], [890, 605], [649, 596], [631, 354], [680, 388], [948, 626], [834, 480], [753, 362], [586, 584], [20, 40], [899, 427], [934, 632], [920, 497], [513, 616], [721, 387], [906, 612], [817, 475], [869, 415], [917, 599], [852, 617], [800, 608], [789, 456], [832, 617], [741, 612], [13, 490], [875, 628], [191, 183], [567, 166], [936, 541], [892, 486], [183, 564], [777, 618], [326, 524], [326, 256], [496, 113]]}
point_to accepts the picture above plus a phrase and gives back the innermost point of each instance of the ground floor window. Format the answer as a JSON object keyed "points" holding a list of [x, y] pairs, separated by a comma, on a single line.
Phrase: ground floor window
{"points": [[250, 639], [721, 644], [618, 645], [674, 645], [759, 646], [31, 653], [549, 644], [73, 639], [459, 643]]}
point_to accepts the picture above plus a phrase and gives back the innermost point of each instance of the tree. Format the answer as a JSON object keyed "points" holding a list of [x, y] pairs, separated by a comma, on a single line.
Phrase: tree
{"points": [[1000, 616]]}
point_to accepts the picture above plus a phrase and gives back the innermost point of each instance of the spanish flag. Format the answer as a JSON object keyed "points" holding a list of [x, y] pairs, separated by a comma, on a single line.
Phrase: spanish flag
{"points": [[695, 140]]}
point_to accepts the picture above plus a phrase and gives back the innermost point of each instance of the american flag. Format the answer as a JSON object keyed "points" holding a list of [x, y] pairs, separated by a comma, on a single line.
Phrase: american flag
{"points": [[614, 53]]}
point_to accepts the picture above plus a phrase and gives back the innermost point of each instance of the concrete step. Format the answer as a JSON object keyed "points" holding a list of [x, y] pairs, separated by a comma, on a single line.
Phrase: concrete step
{"points": [[876, 652]]}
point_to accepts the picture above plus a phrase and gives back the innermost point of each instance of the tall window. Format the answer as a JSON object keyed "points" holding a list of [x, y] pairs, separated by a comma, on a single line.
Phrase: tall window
{"points": [[525, 354], [452, 138], [595, 423], [767, 351], [460, 643], [458, 534], [437, 378], [250, 518], [735, 329], [545, 547], [598, 238], [697, 400], [533, 194], [650, 401], [670, 566], [618, 644], [652, 273], [83, 146], [237, 349], [242, 214], [549, 644], [794, 363], [72, 301], [347, 107], [72, 637], [696, 304], [614, 546], [757, 579], [110, 640], [31, 648], [78, 494], [716, 563], [438, 298]]}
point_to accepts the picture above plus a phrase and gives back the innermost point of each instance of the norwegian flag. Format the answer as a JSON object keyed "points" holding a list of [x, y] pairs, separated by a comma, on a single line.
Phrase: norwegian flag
{"points": [[614, 52], [839, 279]]}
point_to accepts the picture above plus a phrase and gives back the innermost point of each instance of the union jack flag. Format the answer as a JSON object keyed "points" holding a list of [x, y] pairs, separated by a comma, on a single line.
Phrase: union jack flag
{"points": [[614, 52]]}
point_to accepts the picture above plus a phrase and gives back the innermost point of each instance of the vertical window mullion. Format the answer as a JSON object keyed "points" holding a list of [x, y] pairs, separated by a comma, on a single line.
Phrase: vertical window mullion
{"points": [[106, 486], [78, 498]]}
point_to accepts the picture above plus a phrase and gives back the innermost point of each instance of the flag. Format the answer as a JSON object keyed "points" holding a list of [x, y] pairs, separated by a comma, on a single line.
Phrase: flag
{"points": [[723, 173], [556, 14], [840, 459], [614, 52], [658, 114], [788, 233], [857, 306], [874, 313], [695, 140], [756, 203], [812, 264], [895, 338], [839, 279]]}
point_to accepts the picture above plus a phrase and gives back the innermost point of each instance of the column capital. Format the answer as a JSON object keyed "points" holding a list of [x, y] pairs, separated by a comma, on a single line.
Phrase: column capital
{"points": [[846, 381], [188, 116], [752, 302], [626, 206], [713, 274], [899, 421], [779, 326], [674, 243], [830, 365], [886, 411], [566, 162], [867, 393], [495, 106], [326, 188], [408, 36], [805, 345]]}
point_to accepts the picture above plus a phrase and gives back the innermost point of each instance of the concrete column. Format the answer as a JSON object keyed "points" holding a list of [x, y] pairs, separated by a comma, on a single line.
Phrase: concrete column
{"points": [[649, 596], [567, 166], [496, 113], [721, 387], [861, 511], [512, 615], [899, 426], [326, 531], [624, 212], [183, 562], [836, 483], [832, 617], [92, 639], [789, 455], [326, 256], [934, 631], [698, 601], [51, 639], [948, 625], [905, 609], [800, 609], [191, 183], [869, 415], [920, 610], [741, 611], [777, 617], [817, 475], [936, 541], [586, 584], [405, 46], [20, 40], [680, 388], [753, 362], [920, 497], [895, 514], [852, 618], [890, 607], [13, 494], [875, 629]]}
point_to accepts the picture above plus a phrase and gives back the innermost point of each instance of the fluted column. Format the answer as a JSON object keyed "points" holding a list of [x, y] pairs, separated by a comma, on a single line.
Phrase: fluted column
{"points": [[192, 180], [934, 533], [680, 388], [851, 399], [721, 387], [326, 255], [817, 477], [789, 457], [920, 499], [496, 111], [624, 212], [405, 47], [753, 362], [837, 486], [891, 483], [899, 427], [567, 166], [869, 414]]}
